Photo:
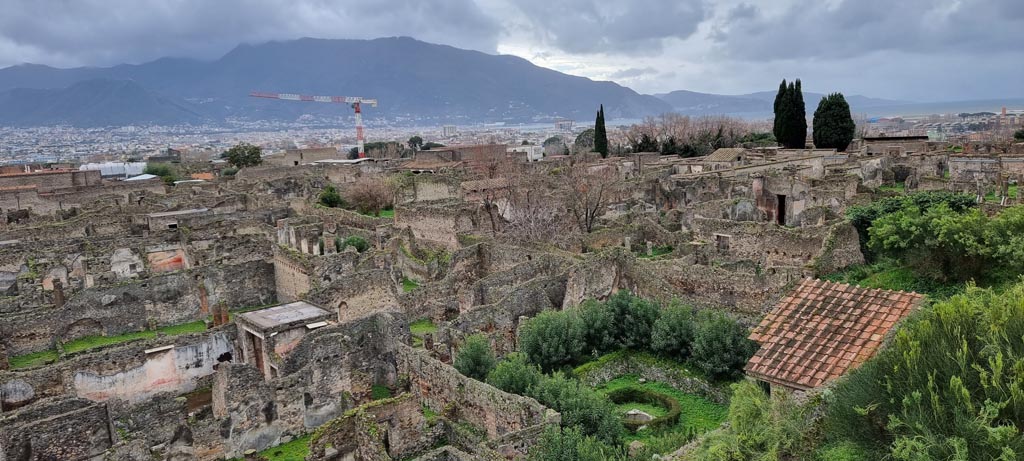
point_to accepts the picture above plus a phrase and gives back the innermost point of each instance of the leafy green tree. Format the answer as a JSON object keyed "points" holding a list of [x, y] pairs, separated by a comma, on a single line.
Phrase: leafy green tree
{"points": [[514, 374], [244, 155], [645, 144], [580, 406], [163, 170], [863, 216], [584, 141], [673, 332], [552, 339], [598, 325], [415, 143], [600, 134], [948, 386], [329, 197], [720, 345], [1018, 135], [833, 125], [634, 319], [475, 358]]}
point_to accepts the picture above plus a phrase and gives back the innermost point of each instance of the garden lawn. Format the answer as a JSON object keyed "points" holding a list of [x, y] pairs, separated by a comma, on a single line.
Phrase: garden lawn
{"points": [[698, 414], [420, 328], [92, 342]]}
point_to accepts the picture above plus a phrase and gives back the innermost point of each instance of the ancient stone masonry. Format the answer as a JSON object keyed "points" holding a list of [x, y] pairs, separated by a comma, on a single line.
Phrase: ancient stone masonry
{"points": [[203, 321]]}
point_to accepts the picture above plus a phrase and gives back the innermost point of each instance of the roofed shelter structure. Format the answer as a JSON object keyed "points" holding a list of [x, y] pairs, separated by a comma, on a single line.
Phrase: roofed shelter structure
{"points": [[821, 330], [268, 335]]}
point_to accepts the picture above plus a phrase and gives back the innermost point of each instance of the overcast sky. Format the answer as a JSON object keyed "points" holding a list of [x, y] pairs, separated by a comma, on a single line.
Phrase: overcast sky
{"points": [[923, 50]]}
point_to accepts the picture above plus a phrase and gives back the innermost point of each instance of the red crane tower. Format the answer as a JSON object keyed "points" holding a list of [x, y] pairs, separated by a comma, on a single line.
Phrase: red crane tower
{"points": [[355, 101]]}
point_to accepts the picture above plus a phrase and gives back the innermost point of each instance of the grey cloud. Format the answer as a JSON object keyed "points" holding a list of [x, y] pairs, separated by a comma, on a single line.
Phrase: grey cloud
{"points": [[95, 32], [591, 26], [810, 29], [632, 72]]}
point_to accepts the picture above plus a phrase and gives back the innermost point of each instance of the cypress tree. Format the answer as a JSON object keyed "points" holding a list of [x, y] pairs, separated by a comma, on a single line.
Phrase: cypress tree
{"points": [[833, 123], [790, 116], [798, 134], [600, 134], [780, 108]]}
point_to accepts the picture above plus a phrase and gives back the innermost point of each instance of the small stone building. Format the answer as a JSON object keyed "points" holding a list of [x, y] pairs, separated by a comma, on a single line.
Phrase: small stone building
{"points": [[726, 158], [821, 330], [266, 336]]}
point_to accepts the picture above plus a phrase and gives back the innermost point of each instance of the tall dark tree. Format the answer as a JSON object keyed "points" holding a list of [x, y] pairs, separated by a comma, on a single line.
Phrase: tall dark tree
{"points": [[415, 143], [833, 124], [778, 129], [600, 134], [790, 116]]}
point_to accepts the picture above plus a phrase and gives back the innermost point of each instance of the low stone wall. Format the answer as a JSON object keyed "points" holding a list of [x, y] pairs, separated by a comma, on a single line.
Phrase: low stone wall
{"points": [[649, 369]]}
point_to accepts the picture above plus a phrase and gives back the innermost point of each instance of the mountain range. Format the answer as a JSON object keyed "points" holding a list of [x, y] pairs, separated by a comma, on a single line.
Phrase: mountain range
{"points": [[410, 78], [416, 83]]}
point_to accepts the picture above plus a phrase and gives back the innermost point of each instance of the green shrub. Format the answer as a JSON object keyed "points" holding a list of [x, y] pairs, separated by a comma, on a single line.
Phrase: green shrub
{"points": [[163, 170], [863, 216], [475, 358], [354, 241], [950, 383], [942, 244], [845, 451], [672, 334], [761, 428], [329, 197], [598, 328], [514, 374], [570, 444], [231, 171], [552, 340], [580, 406], [720, 345], [633, 320]]}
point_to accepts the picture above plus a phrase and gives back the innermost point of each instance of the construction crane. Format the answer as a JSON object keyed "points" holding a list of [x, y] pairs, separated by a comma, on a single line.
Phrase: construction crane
{"points": [[355, 101]]}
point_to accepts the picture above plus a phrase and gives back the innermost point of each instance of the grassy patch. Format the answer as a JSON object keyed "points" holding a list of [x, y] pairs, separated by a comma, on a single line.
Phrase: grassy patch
{"points": [[656, 251], [379, 392], [296, 450], [33, 359], [898, 187], [1012, 192], [653, 410], [698, 414], [889, 275], [91, 342], [429, 415], [383, 214], [409, 284], [419, 329]]}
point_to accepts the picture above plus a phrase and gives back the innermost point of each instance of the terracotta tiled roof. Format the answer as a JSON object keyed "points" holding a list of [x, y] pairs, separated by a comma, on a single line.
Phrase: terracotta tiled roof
{"points": [[823, 329]]}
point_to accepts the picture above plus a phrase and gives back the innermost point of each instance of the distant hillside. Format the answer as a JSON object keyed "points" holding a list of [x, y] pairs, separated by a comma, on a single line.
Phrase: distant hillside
{"points": [[756, 104], [92, 103], [412, 79]]}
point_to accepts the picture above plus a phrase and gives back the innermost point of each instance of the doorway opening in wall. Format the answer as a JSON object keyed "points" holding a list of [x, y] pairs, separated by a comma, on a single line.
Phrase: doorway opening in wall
{"points": [[780, 211], [257, 351]]}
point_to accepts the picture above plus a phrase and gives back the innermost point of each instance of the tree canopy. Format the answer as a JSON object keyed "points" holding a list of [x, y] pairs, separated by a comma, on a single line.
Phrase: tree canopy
{"points": [[833, 125], [415, 143], [244, 155]]}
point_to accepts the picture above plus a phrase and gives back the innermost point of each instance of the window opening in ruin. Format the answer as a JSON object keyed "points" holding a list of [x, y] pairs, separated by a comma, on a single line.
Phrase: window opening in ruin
{"points": [[296, 163], [132, 267], [722, 242], [780, 213], [172, 225]]}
